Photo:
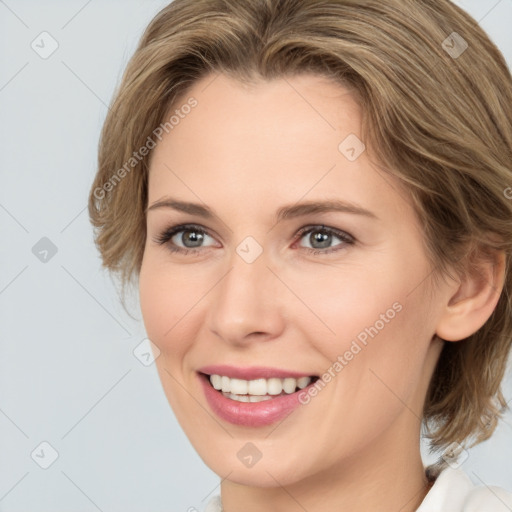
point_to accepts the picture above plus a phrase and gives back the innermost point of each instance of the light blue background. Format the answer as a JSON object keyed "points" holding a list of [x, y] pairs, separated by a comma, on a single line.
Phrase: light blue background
{"points": [[67, 372]]}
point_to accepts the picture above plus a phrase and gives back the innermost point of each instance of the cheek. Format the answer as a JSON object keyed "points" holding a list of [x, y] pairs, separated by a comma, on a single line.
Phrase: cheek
{"points": [[165, 299], [391, 339], [166, 303], [371, 316], [338, 305]]}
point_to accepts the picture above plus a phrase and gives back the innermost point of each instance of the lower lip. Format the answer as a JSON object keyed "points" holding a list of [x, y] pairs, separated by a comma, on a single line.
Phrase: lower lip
{"points": [[250, 414]]}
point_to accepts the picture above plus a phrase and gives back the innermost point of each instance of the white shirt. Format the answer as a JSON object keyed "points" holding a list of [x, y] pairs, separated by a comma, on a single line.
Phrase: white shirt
{"points": [[452, 491]]}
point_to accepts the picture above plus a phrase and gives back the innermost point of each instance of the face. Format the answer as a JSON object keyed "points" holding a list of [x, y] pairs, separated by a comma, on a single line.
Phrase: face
{"points": [[260, 287]]}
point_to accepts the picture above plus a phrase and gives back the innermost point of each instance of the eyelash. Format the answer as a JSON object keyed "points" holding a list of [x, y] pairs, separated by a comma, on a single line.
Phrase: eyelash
{"points": [[168, 233]]}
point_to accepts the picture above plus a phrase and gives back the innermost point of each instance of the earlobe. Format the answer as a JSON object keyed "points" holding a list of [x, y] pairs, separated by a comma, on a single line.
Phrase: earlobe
{"points": [[474, 300]]}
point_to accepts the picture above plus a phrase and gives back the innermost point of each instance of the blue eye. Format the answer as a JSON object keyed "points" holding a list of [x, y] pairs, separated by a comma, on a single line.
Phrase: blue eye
{"points": [[195, 235], [323, 236], [192, 238]]}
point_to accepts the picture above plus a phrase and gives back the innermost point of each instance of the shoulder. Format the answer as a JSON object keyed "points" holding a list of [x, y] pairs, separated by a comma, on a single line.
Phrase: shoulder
{"points": [[489, 498], [453, 491]]}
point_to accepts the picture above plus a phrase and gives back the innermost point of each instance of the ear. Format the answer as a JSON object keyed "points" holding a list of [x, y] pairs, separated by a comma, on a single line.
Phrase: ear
{"points": [[472, 300]]}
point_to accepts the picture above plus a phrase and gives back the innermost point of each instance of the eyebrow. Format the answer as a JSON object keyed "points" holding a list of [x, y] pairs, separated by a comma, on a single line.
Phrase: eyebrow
{"points": [[284, 213]]}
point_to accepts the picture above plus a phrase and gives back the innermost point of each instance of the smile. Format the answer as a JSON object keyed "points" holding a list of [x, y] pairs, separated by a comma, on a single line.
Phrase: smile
{"points": [[255, 401], [257, 390]]}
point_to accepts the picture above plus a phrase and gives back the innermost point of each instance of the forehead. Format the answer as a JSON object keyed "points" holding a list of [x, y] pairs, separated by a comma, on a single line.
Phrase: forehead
{"points": [[269, 142], [278, 115]]}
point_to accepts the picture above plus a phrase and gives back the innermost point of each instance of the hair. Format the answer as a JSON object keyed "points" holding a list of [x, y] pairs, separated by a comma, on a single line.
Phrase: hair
{"points": [[438, 120]]}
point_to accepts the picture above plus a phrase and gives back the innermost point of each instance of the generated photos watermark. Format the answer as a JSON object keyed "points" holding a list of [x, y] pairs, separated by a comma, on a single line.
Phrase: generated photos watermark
{"points": [[137, 156], [356, 346]]}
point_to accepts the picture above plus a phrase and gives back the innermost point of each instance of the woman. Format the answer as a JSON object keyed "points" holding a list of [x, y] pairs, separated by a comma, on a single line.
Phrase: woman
{"points": [[313, 197]]}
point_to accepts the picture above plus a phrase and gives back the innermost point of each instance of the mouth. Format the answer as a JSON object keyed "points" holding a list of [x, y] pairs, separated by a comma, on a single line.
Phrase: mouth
{"points": [[256, 390], [253, 396]]}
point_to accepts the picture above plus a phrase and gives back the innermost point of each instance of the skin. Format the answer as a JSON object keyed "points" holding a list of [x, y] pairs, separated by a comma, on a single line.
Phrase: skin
{"points": [[245, 152]]}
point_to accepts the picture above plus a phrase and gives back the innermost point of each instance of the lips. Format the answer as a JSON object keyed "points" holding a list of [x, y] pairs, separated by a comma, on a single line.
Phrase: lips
{"points": [[250, 403]]}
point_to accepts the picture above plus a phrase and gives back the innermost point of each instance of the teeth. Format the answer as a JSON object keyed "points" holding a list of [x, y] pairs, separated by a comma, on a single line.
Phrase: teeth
{"points": [[303, 382], [216, 381], [254, 398], [274, 386], [225, 384], [289, 385], [247, 398], [238, 386], [256, 388]]}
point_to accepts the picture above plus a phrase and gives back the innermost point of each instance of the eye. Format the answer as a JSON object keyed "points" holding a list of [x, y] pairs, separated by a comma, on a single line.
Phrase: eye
{"points": [[321, 237], [189, 238], [189, 235]]}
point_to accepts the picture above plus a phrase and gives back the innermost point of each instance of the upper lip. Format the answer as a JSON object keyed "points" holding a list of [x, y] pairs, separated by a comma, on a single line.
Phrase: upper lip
{"points": [[251, 372]]}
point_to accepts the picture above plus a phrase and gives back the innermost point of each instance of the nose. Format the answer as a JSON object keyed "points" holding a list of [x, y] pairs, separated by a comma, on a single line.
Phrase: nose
{"points": [[247, 304]]}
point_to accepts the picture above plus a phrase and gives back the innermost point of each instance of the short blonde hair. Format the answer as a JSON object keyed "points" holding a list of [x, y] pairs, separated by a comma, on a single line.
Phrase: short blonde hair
{"points": [[436, 99]]}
